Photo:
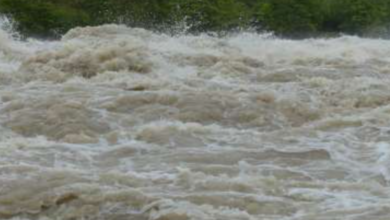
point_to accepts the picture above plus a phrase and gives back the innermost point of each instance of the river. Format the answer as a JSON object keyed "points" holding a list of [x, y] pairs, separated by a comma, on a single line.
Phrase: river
{"points": [[120, 123]]}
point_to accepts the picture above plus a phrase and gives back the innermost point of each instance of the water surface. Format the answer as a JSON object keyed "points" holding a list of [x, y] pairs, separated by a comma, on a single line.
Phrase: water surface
{"points": [[117, 123]]}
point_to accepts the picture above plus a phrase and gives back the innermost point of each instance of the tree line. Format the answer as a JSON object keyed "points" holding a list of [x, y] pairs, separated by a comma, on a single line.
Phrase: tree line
{"points": [[291, 18]]}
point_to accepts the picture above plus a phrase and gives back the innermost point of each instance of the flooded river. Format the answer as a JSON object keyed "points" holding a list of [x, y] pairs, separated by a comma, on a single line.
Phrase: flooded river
{"points": [[118, 123]]}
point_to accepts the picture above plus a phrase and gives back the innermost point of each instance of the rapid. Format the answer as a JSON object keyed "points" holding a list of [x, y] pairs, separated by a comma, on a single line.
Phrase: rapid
{"points": [[120, 123]]}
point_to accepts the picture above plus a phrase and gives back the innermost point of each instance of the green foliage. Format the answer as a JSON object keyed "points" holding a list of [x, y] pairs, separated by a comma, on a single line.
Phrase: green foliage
{"points": [[284, 17], [212, 15], [43, 18], [364, 15], [289, 16]]}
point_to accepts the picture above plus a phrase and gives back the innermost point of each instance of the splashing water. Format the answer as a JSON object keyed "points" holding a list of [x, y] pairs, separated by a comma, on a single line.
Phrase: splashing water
{"points": [[119, 123]]}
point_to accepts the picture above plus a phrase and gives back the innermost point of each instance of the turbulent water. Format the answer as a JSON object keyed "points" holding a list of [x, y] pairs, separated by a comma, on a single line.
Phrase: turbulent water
{"points": [[117, 123]]}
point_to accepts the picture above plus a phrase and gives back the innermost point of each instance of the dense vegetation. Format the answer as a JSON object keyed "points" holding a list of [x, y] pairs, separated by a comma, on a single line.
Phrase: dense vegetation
{"points": [[284, 17]]}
